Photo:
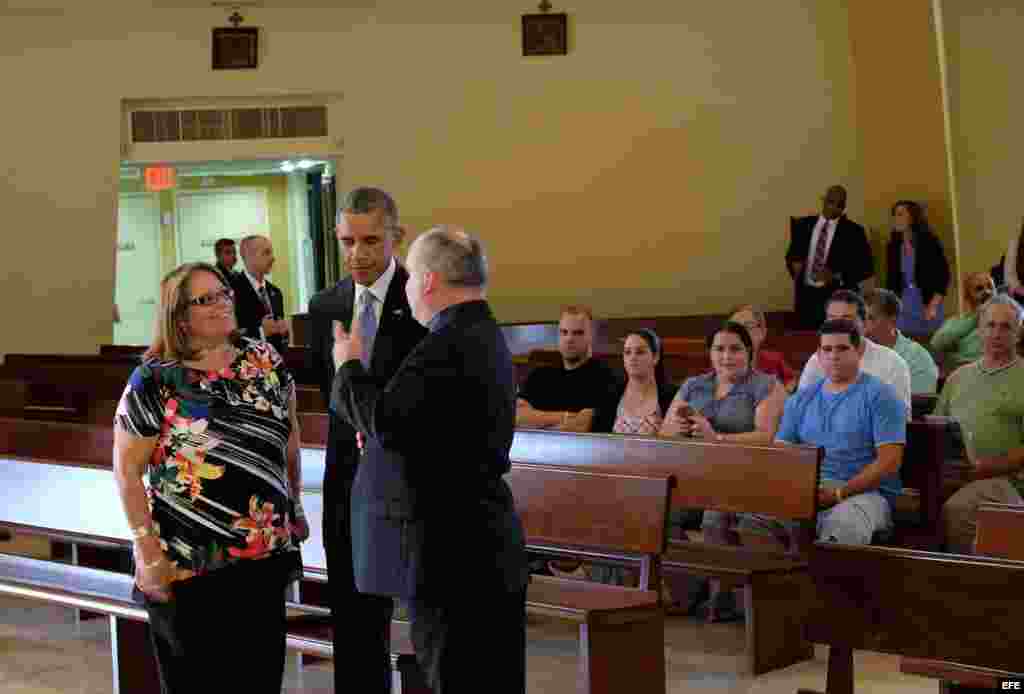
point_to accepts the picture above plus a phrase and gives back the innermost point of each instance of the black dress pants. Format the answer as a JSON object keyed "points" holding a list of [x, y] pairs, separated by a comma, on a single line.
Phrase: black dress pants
{"points": [[224, 631], [474, 644], [810, 304], [362, 623]]}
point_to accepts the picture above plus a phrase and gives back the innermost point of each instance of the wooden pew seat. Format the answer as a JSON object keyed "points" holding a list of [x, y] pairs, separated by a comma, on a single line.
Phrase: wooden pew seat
{"points": [[1000, 534], [584, 513], [916, 604], [775, 480]]}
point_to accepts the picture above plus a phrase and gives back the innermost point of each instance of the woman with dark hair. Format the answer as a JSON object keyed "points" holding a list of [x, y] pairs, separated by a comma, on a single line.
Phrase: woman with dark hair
{"points": [[1013, 266], [734, 403], [206, 459], [639, 406], [918, 271]]}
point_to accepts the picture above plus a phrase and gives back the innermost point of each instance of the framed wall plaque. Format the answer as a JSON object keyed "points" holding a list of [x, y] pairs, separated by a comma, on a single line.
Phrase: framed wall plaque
{"points": [[546, 34], [236, 48]]}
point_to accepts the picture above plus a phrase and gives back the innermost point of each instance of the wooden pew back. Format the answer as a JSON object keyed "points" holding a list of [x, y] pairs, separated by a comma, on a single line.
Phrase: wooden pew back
{"points": [[591, 509], [920, 604], [1000, 531], [772, 479]]}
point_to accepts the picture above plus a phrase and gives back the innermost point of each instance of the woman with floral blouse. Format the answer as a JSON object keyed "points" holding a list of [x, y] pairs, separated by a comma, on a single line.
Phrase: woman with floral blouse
{"points": [[209, 420]]}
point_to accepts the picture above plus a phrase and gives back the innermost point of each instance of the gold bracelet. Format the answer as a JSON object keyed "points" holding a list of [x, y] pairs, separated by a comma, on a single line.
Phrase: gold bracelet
{"points": [[839, 495], [141, 531]]}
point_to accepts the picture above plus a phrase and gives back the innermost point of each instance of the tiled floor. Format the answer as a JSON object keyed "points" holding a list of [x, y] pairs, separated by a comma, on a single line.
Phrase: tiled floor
{"points": [[43, 651]]}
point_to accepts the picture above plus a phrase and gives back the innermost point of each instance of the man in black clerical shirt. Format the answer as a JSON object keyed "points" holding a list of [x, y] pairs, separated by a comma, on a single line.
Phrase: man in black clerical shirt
{"points": [[566, 397], [419, 488]]}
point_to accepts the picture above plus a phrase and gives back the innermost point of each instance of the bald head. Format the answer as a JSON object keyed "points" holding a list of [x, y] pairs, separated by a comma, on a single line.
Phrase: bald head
{"points": [[446, 266], [257, 254], [834, 203]]}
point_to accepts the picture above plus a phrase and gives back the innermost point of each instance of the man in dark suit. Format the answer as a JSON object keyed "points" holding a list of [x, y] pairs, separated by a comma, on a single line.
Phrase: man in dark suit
{"points": [[429, 499], [259, 305], [368, 233], [827, 252]]}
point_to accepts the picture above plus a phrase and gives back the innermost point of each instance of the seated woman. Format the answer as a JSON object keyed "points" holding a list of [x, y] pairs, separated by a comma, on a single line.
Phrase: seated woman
{"points": [[958, 339], [765, 361], [638, 407], [734, 403]]}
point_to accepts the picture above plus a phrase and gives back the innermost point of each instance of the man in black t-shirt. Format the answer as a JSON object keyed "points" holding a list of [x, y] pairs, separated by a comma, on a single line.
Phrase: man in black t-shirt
{"points": [[565, 397]]}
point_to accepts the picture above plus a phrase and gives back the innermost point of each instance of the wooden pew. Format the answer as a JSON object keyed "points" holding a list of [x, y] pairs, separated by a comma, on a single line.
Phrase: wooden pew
{"points": [[84, 388], [918, 604], [572, 512], [776, 480], [1000, 534]]}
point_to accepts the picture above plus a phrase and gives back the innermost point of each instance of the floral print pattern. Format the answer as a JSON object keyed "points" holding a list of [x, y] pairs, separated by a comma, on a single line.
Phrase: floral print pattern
{"points": [[217, 480]]}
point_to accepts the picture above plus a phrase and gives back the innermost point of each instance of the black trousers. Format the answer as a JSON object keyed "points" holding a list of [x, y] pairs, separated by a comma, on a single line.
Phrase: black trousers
{"points": [[810, 304], [224, 631], [362, 623], [476, 643]]}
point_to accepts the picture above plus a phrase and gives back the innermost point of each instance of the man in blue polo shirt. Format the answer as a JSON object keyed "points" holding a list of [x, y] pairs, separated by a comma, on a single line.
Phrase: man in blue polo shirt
{"points": [[862, 425]]}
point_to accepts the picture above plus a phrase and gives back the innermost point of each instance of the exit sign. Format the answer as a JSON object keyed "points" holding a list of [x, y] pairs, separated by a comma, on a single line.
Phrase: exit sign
{"points": [[159, 178]]}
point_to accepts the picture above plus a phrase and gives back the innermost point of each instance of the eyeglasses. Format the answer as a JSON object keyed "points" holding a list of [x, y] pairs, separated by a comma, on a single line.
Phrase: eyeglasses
{"points": [[213, 298]]}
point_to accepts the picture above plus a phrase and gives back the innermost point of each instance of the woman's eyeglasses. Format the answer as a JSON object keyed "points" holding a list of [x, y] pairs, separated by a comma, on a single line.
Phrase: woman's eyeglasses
{"points": [[213, 298]]}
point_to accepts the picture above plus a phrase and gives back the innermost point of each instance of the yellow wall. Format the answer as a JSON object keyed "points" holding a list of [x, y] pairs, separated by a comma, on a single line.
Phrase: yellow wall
{"points": [[899, 115], [986, 106], [651, 171]]}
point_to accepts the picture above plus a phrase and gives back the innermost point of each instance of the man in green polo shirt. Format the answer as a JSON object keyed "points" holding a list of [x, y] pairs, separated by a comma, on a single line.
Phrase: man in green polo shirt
{"points": [[987, 398], [883, 311]]}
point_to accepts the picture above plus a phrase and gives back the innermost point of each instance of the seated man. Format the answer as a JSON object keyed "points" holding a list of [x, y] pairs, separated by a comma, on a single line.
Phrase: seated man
{"points": [[883, 312], [861, 423], [987, 399], [958, 338], [878, 361], [566, 397]]}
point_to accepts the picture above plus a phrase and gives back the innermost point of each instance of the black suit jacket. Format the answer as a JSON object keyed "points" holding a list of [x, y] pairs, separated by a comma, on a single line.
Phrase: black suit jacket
{"points": [[429, 498], [849, 256], [397, 333], [250, 310], [931, 270]]}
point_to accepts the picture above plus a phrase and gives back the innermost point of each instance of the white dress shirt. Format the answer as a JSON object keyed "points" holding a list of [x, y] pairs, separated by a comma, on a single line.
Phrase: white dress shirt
{"points": [[880, 361], [257, 285], [379, 289], [827, 227]]}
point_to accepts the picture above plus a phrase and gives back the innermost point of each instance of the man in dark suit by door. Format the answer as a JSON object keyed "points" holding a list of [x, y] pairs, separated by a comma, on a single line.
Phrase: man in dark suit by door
{"points": [[368, 233], [827, 252], [429, 498], [259, 304]]}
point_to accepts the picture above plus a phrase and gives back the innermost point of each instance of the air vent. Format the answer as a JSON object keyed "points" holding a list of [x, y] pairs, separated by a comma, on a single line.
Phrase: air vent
{"points": [[189, 125]]}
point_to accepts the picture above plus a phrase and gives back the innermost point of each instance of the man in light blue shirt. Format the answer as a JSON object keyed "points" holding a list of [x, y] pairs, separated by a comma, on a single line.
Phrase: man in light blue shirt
{"points": [[884, 309], [861, 423]]}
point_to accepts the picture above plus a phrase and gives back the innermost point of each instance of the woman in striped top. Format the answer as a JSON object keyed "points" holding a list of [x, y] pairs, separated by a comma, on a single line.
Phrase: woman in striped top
{"points": [[209, 420]]}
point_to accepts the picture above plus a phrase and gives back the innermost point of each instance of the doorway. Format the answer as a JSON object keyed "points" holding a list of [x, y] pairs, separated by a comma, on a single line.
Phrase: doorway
{"points": [[208, 201], [138, 262]]}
